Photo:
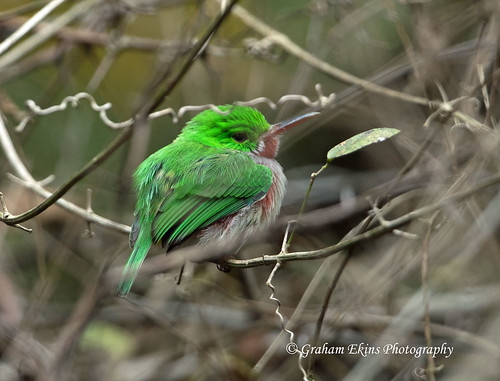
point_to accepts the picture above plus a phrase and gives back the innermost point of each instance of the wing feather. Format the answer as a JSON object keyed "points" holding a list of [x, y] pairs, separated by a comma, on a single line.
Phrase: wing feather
{"points": [[212, 188]]}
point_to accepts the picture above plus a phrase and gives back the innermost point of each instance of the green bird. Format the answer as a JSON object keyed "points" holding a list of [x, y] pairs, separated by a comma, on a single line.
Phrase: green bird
{"points": [[218, 178]]}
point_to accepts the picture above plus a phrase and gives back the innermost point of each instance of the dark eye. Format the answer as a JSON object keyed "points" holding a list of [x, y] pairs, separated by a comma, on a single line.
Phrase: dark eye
{"points": [[240, 137]]}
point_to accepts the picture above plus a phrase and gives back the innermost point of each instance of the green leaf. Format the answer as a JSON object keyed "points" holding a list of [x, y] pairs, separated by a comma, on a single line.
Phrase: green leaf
{"points": [[361, 140]]}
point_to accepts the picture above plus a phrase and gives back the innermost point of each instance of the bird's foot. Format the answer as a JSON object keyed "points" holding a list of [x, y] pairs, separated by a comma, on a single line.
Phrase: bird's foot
{"points": [[223, 266]]}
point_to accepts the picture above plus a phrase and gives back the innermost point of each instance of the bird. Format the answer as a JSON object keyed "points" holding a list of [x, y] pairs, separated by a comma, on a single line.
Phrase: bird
{"points": [[218, 180]]}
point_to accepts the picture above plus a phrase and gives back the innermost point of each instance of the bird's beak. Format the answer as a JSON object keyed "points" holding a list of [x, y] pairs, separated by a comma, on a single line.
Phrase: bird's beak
{"points": [[281, 127]]}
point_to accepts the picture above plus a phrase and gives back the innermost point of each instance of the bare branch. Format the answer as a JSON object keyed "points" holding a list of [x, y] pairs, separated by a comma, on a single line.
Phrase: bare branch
{"points": [[368, 235]]}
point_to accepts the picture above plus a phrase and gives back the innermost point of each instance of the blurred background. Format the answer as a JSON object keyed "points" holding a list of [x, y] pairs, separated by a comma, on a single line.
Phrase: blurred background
{"points": [[433, 282]]}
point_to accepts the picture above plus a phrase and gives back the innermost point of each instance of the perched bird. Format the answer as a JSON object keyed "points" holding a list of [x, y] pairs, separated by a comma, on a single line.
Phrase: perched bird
{"points": [[218, 178]]}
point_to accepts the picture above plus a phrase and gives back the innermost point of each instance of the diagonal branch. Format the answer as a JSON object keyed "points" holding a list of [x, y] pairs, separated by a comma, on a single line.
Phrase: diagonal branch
{"points": [[197, 50], [56, 197]]}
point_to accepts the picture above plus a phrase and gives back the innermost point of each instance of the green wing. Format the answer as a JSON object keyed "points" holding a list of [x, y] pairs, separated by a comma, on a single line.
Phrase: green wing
{"points": [[211, 188]]}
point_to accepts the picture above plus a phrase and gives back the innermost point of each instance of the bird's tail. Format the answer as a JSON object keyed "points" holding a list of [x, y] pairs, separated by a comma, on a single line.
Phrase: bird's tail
{"points": [[131, 269]]}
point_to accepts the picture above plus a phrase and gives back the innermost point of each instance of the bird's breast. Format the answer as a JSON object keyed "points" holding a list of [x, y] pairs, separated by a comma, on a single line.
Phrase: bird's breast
{"points": [[246, 221], [271, 202]]}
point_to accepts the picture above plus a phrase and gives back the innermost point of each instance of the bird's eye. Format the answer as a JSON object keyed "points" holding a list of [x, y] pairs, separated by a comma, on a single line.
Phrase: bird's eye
{"points": [[240, 137]]}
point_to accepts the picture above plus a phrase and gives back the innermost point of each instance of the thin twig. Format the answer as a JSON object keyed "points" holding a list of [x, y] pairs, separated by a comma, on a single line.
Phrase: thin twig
{"points": [[277, 312], [102, 109], [369, 234], [304, 202], [289, 46], [195, 53], [29, 25], [295, 50], [431, 367]]}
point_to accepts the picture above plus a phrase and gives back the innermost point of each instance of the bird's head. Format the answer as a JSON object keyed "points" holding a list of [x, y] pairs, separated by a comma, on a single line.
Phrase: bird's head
{"points": [[240, 128]]}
